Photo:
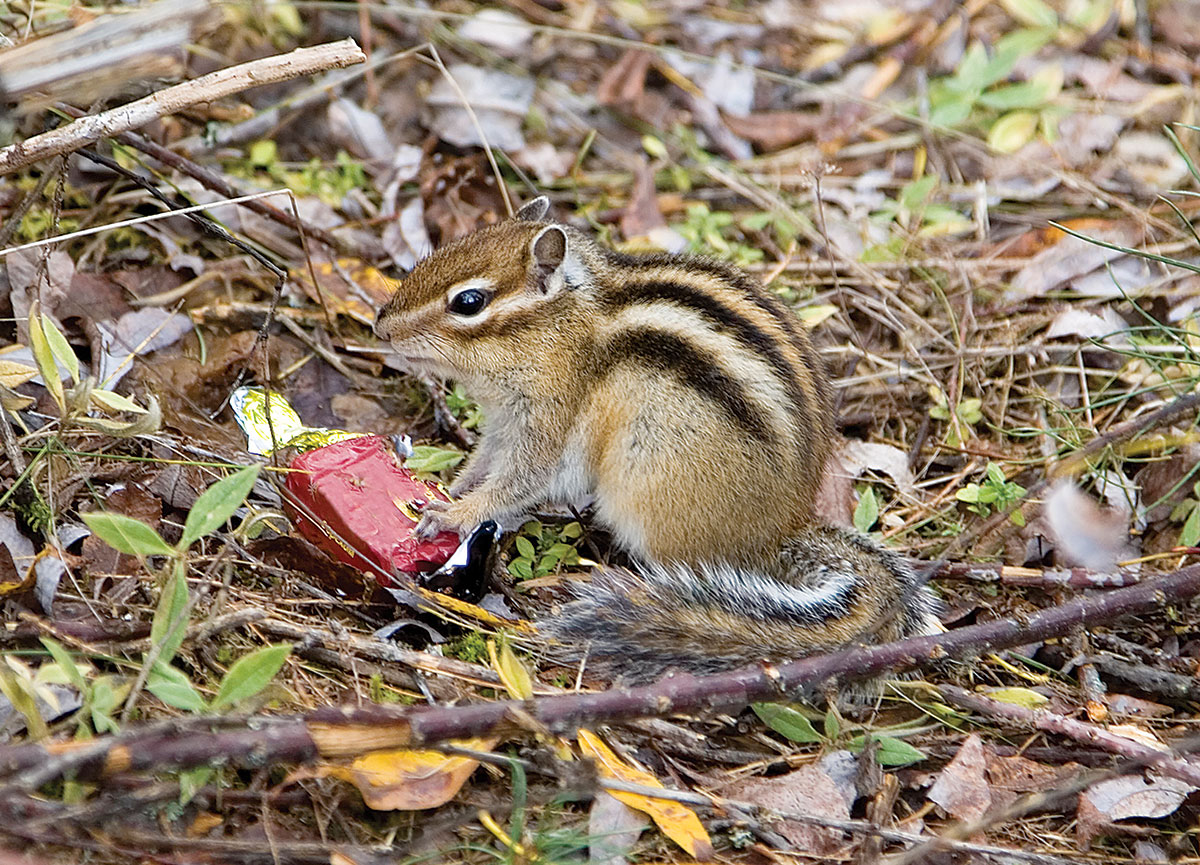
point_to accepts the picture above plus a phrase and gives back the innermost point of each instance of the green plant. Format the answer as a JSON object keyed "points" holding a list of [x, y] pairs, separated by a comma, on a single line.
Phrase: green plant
{"points": [[866, 512], [794, 725], [1188, 512], [249, 674], [541, 550], [706, 233], [978, 94], [429, 461], [913, 210], [465, 409], [994, 495], [51, 351], [966, 414], [523, 844]]}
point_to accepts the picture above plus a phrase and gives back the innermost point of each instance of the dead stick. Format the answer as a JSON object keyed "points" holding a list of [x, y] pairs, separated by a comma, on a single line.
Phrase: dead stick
{"points": [[353, 730], [1165, 762], [208, 88]]}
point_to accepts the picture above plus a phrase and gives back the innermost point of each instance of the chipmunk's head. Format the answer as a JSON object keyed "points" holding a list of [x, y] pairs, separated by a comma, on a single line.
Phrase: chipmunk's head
{"points": [[491, 301]]}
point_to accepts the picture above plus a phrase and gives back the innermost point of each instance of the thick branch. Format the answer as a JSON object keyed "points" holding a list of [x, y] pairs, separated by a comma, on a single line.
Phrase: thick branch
{"points": [[208, 88], [352, 730]]}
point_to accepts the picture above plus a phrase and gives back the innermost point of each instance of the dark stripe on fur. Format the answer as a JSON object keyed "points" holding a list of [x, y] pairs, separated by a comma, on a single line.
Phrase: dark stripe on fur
{"points": [[725, 318], [698, 370]]}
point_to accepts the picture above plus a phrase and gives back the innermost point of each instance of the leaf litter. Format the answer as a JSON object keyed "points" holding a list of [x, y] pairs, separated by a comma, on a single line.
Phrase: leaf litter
{"points": [[976, 350]]}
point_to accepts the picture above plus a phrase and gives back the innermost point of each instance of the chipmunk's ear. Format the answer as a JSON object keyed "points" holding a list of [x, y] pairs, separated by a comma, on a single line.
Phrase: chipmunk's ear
{"points": [[534, 211], [550, 255]]}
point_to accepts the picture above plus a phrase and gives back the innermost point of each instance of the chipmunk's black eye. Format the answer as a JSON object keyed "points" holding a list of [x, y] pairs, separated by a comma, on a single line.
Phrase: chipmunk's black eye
{"points": [[469, 301]]}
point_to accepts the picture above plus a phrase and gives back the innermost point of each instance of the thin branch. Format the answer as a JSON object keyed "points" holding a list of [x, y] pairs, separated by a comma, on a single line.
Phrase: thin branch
{"points": [[345, 731], [208, 88]]}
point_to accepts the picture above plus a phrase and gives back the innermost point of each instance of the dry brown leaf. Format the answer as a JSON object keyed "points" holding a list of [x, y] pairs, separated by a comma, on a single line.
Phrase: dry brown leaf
{"points": [[642, 215], [1146, 796], [808, 790], [962, 789], [774, 130]]}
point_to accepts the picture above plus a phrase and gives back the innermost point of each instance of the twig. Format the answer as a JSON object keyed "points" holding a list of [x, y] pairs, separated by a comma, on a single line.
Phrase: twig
{"points": [[1166, 762], [352, 730], [208, 88]]}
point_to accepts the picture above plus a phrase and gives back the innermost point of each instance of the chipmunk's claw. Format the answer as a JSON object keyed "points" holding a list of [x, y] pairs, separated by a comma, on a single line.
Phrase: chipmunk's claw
{"points": [[433, 520]]}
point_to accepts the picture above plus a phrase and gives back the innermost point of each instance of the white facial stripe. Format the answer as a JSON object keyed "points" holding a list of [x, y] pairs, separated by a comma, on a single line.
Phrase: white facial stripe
{"points": [[482, 283]]}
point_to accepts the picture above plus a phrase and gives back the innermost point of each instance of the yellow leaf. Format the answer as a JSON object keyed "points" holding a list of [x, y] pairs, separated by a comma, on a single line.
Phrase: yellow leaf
{"points": [[677, 821], [1012, 131], [407, 780], [1019, 697], [513, 675], [115, 402], [815, 314], [347, 287], [13, 374], [44, 357]]}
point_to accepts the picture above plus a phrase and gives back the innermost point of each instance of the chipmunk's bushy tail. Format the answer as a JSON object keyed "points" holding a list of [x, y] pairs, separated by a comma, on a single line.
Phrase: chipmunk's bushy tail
{"points": [[831, 589]]}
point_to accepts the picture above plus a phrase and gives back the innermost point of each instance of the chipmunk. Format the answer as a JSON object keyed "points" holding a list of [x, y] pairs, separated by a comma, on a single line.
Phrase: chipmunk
{"points": [[689, 406]]}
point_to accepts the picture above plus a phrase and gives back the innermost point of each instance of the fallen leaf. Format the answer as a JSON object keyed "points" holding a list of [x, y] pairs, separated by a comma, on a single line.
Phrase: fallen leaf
{"points": [[1146, 796], [641, 215], [676, 821], [773, 130], [499, 103], [961, 789], [809, 790], [1066, 260], [407, 780], [613, 829]]}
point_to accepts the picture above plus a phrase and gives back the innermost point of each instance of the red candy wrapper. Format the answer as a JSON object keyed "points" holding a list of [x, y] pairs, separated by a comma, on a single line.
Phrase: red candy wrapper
{"points": [[364, 495]]}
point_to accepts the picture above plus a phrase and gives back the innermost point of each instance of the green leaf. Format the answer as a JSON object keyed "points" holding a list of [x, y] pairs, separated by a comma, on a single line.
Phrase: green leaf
{"points": [[832, 725], [971, 72], [1012, 131], [60, 348], [172, 686], [43, 357], [1024, 95], [525, 548], [263, 154], [105, 698], [787, 722], [654, 147], [426, 458], [522, 569], [167, 630], [969, 493], [573, 530], [126, 534], [914, 194], [217, 504], [892, 752], [115, 402], [64, 660], [1190, 534], [1031, 13], [866, 512], [250, 674], [191, 780]]}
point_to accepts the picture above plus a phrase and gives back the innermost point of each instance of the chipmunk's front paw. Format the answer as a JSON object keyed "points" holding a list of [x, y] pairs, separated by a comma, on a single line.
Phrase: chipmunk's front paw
{"points": [[434, 520]]}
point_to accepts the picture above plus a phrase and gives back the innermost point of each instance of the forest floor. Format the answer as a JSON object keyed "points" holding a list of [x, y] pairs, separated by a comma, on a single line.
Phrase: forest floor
{"points": [[985, 213]]}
